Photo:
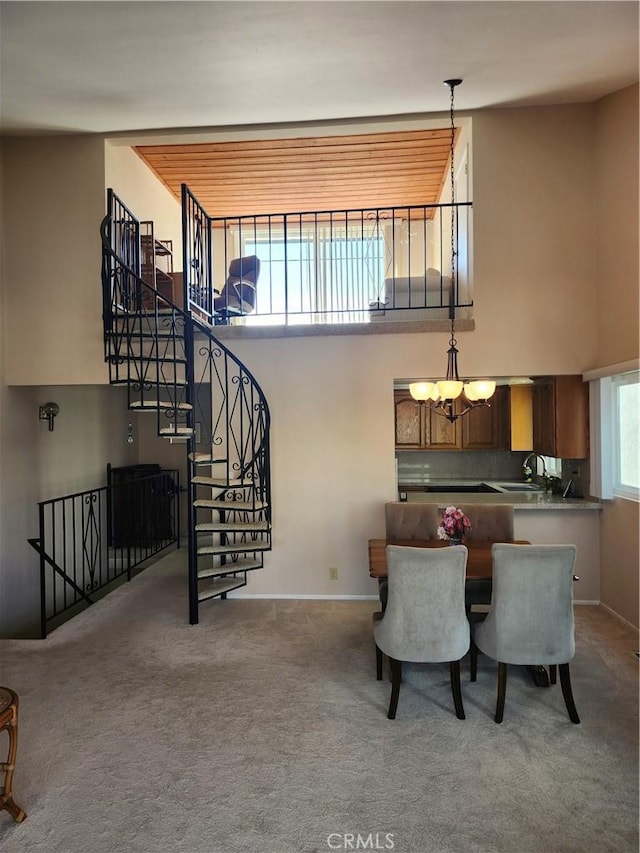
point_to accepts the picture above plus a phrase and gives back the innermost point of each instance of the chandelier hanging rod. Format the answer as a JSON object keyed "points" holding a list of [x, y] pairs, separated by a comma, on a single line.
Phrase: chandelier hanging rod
{"points": [[442, 395]]}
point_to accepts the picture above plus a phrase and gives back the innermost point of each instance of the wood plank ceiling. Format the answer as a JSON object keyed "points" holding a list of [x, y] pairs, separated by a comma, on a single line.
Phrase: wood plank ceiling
{"points": [[306, 174]]}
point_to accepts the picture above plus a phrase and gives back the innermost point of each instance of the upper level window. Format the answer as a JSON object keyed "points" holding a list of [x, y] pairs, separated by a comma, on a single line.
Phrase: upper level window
{"points": [[321, 274], [626, 434], [615, 431]]}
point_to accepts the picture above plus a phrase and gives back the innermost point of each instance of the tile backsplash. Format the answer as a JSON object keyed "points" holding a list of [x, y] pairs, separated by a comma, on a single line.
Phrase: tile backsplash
{"points": [[415, 466]]}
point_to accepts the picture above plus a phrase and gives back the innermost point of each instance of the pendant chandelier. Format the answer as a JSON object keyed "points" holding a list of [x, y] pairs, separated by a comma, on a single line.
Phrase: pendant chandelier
{"points": [[441, 395]]}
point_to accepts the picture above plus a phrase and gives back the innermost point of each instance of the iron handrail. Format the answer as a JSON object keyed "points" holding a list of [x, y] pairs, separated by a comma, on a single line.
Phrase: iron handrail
{"points": [[92, 538], [352, 265]]}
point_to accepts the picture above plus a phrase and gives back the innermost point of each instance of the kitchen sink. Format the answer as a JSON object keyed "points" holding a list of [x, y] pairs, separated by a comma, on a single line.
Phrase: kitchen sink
{"points": [[464, 488], [517, 487], [486, 487]]}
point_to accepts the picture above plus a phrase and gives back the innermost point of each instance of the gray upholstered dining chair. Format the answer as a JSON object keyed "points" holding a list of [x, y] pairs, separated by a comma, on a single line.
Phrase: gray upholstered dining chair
{"points": [[493, 523], [490, 522], [425, 620], [407, 521], [530, 621], [411, 521]]}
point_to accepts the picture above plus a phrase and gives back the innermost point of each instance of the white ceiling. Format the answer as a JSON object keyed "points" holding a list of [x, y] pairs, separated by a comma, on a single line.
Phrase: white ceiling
{"points": [[111, 67]]}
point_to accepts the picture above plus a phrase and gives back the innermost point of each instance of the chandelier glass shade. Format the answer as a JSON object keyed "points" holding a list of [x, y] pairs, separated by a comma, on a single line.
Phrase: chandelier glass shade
{"points": [[441, 394]]}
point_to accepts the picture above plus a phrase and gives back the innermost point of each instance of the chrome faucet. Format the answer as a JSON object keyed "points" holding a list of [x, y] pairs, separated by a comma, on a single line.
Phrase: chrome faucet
{"points": [[527, 469]]}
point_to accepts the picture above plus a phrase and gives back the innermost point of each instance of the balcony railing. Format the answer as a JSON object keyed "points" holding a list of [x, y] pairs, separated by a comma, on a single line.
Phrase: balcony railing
{"points": [[349, 266]]}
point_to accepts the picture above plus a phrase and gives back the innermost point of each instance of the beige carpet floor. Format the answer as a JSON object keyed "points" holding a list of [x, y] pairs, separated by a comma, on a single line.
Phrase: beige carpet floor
{"points": [[264, 730]]}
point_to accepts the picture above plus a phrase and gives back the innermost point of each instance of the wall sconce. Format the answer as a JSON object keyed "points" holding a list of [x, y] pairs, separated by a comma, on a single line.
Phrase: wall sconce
{"points": [[48, 413]]}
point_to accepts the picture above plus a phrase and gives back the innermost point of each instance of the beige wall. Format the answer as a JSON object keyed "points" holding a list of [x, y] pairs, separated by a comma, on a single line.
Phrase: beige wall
{"points": [[534, 233], [144, 195], [618, 295], [618, 340], [53, 190]]}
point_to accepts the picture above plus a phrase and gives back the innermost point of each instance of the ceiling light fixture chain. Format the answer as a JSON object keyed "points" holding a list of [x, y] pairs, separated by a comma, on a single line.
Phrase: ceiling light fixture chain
{"points": [[454, 263], [443, 394]]}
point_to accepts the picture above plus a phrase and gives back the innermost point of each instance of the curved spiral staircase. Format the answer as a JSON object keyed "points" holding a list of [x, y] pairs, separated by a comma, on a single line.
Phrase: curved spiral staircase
{"points": [[176, 370]]}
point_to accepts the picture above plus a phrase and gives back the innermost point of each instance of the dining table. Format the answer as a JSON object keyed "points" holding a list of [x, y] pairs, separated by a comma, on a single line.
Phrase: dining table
{"points": [[479, 562], [478, 576]]}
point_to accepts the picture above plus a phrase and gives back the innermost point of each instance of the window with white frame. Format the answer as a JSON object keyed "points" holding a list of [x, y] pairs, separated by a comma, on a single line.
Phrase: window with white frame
{"points": [[615, 429], [320, 273], [626, 434]]}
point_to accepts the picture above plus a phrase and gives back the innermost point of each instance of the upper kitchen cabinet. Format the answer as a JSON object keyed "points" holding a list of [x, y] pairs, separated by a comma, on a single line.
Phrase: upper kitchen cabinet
{"points": [[561, 417], [482, 427], [418, 427], [516, 411], [409, 421], [441, 434]]}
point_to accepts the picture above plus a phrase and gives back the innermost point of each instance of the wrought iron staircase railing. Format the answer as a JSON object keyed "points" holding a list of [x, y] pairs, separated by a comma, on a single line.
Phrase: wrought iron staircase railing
{"points": [[89, 540], [199, 391]]}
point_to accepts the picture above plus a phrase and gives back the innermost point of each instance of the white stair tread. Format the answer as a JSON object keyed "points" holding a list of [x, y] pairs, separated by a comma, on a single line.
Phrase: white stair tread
{"points": [[233, 527], [221, 483], [176, 431], [206, 459], [154, 405], [152, 359], [238, 566], [136, 377], [237, 548], [230, 506], [220, 586], [146, 333]]}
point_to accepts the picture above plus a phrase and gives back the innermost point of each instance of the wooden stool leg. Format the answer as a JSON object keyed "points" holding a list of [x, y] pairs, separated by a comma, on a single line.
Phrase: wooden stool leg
{"points": [[8, 803], [6, 800]]}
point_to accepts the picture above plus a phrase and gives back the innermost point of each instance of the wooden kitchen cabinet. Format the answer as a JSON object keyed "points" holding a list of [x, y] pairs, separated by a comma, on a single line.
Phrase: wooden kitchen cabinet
{"points": [[410, 422], [516, 426], [418, 427], [561, 417], [441, 434], [481, 427]]}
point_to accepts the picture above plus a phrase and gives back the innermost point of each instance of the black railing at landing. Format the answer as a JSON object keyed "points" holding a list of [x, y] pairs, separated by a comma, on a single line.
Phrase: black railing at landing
{"points": [[363, 265], [89, 540]]}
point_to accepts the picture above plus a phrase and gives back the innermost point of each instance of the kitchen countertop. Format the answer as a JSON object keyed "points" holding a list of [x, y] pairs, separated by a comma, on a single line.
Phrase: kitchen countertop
{"points": [[519, 500]]}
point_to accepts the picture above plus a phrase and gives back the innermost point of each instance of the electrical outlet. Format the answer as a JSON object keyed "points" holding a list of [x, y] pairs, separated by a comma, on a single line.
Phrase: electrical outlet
{"points": [[333, 573]]}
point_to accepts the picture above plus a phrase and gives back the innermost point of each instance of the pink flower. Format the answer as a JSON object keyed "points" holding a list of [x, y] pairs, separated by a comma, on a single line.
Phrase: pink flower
{"points": [[454, 523]]}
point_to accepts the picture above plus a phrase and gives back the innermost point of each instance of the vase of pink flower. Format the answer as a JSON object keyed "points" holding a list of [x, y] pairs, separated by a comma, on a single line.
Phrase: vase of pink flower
{"points": [[454, 525]]}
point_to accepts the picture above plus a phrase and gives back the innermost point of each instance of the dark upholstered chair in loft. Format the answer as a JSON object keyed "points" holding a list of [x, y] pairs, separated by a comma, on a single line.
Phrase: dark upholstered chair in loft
{"points": [[9, 723], [530, 621], [425, 620], [238, 296]]}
